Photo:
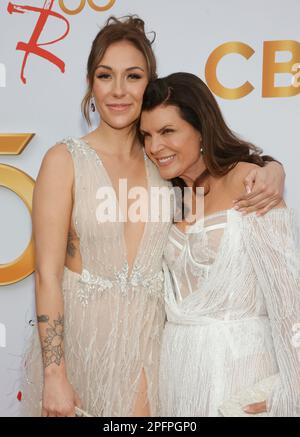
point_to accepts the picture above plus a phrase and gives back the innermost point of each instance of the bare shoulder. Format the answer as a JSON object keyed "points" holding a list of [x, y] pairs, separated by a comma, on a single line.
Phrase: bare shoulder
{"points": [[56, 170], [58, 153], [58, 157]]}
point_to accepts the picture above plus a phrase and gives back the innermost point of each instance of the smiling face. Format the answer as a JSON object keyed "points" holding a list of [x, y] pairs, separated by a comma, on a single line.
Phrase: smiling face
{"points": [[119, 83], [172, 143]]}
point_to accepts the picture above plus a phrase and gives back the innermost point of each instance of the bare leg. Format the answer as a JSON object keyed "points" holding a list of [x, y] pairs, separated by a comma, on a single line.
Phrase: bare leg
{"points": [[141, 406]]}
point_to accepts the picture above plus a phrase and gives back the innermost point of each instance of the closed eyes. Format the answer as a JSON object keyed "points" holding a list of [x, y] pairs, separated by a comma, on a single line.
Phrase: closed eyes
{"points": [[162, 132]]}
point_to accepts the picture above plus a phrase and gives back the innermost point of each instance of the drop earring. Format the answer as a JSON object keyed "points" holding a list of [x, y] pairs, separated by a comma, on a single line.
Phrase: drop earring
{"points": [[93, 107]]}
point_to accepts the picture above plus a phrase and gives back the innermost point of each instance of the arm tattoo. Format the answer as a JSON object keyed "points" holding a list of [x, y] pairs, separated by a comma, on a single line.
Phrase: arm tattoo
{"points": [[52, 341], [70, 245]]}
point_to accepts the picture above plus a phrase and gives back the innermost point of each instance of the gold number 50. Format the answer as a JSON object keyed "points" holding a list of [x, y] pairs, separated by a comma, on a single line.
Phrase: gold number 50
{"points": [[21, 184], [82, 5]]}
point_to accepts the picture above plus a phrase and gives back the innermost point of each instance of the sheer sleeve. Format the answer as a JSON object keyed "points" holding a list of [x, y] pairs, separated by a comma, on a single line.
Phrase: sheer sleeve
{"points": [[271, 242]]}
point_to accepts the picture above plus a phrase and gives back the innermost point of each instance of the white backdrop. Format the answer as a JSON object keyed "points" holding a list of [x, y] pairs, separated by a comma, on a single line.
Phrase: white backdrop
{"points": [[49, 105]]}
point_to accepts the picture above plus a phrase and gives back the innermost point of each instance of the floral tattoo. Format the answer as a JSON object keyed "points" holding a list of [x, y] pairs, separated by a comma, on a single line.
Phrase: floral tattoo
{"points": [[52, 342]]}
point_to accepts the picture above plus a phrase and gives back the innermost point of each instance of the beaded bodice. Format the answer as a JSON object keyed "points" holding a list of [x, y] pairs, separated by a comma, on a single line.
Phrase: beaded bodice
{"points": [[102, 245]]}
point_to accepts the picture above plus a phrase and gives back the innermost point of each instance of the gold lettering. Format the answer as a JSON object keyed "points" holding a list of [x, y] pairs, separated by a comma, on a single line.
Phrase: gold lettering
{"points": [[21, 184], [211, 70], [270, 68]]}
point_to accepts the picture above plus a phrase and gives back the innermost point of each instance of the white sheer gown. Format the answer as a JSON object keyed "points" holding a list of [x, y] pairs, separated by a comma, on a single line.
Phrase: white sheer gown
{"points": [[113, 318], [233, 313]]}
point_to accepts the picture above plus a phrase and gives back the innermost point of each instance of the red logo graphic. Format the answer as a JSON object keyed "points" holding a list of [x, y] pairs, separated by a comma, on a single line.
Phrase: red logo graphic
{"points": [[33, 46]]}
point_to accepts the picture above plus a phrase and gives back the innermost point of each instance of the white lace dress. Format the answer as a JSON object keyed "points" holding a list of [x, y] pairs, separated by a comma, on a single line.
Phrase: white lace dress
{"points": [[113, 318], [233, 313]]}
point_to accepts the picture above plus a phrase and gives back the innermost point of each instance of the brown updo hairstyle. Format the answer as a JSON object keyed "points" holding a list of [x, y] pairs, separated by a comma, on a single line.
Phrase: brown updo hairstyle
{"points": [[129, 28]]}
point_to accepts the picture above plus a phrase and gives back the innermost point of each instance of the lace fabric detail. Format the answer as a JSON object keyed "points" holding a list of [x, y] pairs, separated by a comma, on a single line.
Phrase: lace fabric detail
{"points": [[74, 145], [190, 256], [92, 285], [251, 293]]}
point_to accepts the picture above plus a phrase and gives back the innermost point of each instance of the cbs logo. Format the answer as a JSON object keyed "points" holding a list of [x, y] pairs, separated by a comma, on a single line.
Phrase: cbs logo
{"points": [[82, 4], [21, 184], [269, 69]]}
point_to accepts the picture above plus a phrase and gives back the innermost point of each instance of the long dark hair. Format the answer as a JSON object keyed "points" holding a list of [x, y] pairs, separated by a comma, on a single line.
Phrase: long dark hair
{"points": [[222, 148]]}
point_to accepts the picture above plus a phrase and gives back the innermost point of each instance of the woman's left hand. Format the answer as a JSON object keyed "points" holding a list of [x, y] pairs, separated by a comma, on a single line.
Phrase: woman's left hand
{"points": [[264, 187], [258, 407]]}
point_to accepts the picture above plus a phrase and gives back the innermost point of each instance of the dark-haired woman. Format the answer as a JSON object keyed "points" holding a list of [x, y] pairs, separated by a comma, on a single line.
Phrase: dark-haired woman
{"points": [[232, 281], [99, 285]]}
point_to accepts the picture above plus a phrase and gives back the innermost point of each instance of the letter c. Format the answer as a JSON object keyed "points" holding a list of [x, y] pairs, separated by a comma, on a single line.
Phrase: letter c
{"points": [[211, 70]]}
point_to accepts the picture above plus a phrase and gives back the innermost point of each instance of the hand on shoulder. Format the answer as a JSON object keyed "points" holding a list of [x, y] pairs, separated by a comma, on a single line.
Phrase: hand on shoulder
{"points": [[247, 183], [235, 179]]}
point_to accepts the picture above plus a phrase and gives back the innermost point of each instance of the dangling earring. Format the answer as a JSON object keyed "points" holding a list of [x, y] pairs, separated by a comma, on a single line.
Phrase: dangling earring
{"points": [[202, 151], [93, 107]]}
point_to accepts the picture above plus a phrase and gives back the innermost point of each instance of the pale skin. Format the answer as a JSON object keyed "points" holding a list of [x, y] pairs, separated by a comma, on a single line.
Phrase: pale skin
{"points": [[166, 134], [118, 88], [120, 79]]}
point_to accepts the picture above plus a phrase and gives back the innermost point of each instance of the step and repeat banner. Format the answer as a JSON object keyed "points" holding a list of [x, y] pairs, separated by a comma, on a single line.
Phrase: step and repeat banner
{"points": [[247, 52]]}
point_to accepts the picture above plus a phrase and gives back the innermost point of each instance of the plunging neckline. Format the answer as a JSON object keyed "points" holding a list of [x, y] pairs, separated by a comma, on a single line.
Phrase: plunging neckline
{"points": [[128, 270]]}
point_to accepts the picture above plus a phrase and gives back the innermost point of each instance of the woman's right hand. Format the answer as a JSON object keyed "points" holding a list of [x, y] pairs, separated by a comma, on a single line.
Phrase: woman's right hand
{"points": [[59, 397]]}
